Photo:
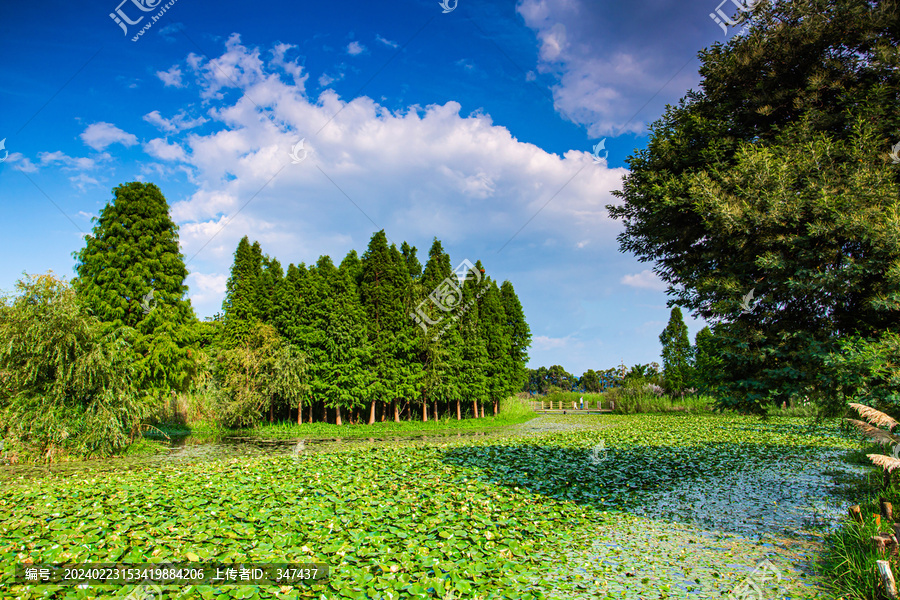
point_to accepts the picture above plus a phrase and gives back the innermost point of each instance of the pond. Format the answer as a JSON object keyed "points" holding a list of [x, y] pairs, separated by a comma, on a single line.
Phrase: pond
{"points": [[605, 506]]}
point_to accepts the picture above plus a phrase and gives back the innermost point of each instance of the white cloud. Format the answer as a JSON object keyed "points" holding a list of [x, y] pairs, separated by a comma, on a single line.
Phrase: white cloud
{"points": [[206, 286], [73, 163], [386, 42], [179, 122], [354, 48], [161, 149], [172, 77], [418, 173], [325, 79], [81, 181], [100, 135], [609, 63], [543, 342], [646, 279]]}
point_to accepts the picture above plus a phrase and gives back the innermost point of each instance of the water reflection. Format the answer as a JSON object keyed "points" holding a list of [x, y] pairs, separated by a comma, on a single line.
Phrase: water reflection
{"points": [[191, 448]]}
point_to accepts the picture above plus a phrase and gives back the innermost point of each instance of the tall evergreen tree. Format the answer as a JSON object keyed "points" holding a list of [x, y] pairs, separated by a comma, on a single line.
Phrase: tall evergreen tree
{"points": [[474, 382], [676, 353], [413, 266], [707, 363], [382, 293], [131, 273], [242, 292], [492, 324], [519, 336]]}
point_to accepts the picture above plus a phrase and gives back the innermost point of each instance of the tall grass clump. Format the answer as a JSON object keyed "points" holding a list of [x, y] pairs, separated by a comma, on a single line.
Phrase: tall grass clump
{"points": [[641, 397]]}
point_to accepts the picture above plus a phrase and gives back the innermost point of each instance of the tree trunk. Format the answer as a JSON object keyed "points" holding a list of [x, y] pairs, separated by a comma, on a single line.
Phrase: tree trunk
{"points": [[299, 412], [271, 412], [482, 410], [435, 411], [396, 406], [372, 413], [475, 408], [424, 409], [458, 410], [496, 407], [311, 411], [337, 415]]}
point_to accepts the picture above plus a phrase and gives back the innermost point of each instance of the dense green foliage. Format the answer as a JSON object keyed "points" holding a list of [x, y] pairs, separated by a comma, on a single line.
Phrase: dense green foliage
{"points": [[676, 353], [66, 382], [383, 338], [775, 179], [131, 274], [84, 369]]}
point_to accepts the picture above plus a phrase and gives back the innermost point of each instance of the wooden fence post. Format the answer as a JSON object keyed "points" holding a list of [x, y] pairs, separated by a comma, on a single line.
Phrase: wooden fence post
{"points": [[856, 513], [887, 578], [887, 511]]}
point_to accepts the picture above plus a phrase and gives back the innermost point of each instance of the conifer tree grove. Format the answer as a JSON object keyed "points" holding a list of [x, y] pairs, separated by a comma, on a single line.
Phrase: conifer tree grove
{"points": [[381, 336]]}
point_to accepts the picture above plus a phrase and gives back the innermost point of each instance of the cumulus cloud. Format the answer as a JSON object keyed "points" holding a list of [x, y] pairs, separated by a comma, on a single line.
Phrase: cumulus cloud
{"points": [[646, 279], [420, 172], [206, 286], [354, 48], [161, 149], [614, 66], [100, 135], [172, 77]]}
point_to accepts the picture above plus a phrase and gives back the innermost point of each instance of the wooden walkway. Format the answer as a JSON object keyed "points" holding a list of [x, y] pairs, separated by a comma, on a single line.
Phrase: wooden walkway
{"points": [[559, 407]]}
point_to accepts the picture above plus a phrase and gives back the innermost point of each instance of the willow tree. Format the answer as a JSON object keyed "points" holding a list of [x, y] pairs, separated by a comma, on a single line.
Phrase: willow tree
{"points": [[262, 374], [66, 382]]}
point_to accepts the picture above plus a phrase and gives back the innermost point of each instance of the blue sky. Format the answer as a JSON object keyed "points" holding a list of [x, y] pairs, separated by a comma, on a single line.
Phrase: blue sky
{"points": [[475, 126]]}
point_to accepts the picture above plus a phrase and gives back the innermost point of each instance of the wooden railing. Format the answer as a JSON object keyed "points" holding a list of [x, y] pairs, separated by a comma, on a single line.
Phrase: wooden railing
{"points": [[570, 405]]}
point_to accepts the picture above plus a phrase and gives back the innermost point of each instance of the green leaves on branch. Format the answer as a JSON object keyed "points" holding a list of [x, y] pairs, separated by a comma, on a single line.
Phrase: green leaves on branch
{"points": [[66, 381]]}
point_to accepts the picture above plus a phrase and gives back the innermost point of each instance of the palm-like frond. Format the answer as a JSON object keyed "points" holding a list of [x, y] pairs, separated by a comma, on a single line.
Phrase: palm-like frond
{"points": [[875, 417], [888, 463], [875, 433]]}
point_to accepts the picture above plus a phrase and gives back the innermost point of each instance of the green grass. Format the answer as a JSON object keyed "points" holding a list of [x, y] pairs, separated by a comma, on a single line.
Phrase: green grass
{"points": [[512, 412], [849, 556]]}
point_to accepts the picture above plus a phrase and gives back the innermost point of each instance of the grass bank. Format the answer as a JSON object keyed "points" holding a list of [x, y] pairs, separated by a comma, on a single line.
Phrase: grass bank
{"points": [[850, 556], [512, 412]]}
